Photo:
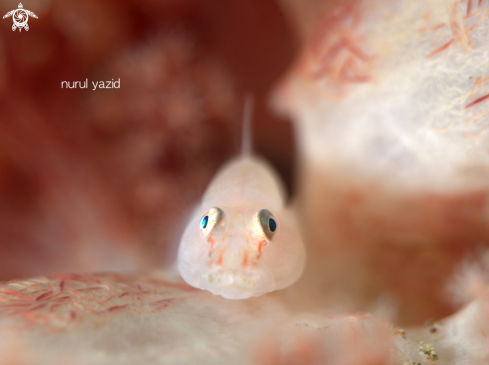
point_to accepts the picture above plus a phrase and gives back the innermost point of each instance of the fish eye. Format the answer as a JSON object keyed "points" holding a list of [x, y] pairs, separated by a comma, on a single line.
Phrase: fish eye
{"points": [[267, 223], [203, 223], [272, 224], [210, 219]]}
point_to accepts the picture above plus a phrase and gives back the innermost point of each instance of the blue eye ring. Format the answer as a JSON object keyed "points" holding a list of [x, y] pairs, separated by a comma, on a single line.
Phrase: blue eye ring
{"points": [[210, 220], [204, 221], [267, 223]]}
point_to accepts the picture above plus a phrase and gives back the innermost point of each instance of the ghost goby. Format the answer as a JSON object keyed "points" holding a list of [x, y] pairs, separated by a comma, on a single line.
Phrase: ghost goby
{"points": [[242, 240]]}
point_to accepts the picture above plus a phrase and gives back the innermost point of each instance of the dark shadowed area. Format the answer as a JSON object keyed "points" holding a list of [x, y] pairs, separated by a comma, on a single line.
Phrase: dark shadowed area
{"points": [[105, 179]]}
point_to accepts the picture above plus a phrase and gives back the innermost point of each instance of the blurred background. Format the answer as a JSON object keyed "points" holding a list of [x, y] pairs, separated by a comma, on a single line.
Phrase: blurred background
{"points": [[105, 179]]}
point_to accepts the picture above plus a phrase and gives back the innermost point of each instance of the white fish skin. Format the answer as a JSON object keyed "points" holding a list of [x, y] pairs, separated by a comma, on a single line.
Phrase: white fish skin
{"points": [[236, 259]]}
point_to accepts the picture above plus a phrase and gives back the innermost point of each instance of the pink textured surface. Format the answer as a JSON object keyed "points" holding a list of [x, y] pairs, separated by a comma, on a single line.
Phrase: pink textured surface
{"points": [[62, 301], [155, 318], [147, 318]]}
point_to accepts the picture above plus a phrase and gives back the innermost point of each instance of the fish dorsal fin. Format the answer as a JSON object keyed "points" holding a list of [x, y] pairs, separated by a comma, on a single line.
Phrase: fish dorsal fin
{"points": [[246, 136]]}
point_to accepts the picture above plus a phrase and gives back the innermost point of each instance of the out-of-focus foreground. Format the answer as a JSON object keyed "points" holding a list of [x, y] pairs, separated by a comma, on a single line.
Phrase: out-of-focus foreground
{"points": [[121, 319]]}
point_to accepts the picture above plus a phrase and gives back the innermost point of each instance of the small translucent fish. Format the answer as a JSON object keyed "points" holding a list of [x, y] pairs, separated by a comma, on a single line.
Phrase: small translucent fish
{"points": [[242, 240]]}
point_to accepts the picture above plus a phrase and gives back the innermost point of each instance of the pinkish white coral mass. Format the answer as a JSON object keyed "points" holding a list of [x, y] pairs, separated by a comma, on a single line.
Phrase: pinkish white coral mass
{"points": [[389, 100]]}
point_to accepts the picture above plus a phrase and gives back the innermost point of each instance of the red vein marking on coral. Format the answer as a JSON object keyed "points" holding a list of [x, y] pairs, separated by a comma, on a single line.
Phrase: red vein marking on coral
{"points": [[108, 299], [74, 293], [475, 117], [88, 289], [123, 294], [458, 26], [474, 89], [472, 137], [338, 64], [16, 305], [430, 29], [55, 296], [427, 17], [355, 50], [440, 49], [459, 29], [61, 299], [329, 24], [117, 307], [32, 286], [477, 101], [219, 259], [158, 308], [332, 51], [42, 305], [31, 317], [477, 82], [163, 301], [54, 306], [93, 311], [350, 73], [62, 285], [72, 315], [13, 293], [477, 13], [160, 304], [476, 24], [45, 295], [18, 284], [38, 291]]}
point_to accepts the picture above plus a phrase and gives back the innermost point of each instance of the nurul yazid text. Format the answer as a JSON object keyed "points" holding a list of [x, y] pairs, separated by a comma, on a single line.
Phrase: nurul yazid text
{"points": [[112, 84]]}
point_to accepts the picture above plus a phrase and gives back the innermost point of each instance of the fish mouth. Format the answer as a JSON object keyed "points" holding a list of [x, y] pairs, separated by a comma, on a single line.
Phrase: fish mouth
{"points": [[238, 284]]}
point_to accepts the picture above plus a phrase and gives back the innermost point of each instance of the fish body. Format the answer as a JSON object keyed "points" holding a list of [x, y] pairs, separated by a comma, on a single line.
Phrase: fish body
{"points": [[242, 240]]}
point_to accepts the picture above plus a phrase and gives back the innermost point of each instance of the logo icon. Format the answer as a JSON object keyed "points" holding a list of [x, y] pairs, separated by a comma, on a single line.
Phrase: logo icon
{"points": [[20, 16]]}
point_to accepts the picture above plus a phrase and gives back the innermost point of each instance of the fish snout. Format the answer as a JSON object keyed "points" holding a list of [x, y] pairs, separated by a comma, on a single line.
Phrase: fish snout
{"points": [[233, 282], [234, 269]]}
